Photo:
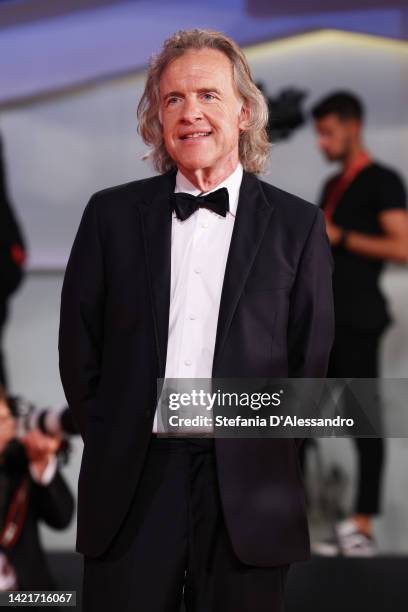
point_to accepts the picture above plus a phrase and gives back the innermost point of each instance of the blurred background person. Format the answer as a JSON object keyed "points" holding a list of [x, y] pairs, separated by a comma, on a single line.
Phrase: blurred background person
{"points": [[12, 258], [365, 208], [32, 489]]}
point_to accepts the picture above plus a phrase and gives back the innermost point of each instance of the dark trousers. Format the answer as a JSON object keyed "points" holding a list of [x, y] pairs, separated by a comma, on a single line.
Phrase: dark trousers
{"points": [[173, 545], [355, 355]]}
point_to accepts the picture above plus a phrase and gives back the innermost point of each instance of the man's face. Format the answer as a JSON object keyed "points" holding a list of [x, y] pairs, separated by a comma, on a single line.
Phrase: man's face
{"points": [[335, 136], [201, 112]]}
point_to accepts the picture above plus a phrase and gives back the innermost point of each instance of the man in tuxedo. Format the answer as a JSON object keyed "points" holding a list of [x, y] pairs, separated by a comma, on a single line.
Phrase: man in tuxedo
{"points": [[163, 282]]}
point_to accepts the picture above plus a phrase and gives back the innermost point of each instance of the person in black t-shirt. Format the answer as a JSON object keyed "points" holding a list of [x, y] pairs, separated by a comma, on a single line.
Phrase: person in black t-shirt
{"points": [[13, 255], [365, 208]]}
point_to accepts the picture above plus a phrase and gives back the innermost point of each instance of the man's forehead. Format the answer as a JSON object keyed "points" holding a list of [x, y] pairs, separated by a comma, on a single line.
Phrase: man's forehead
{"points": [[329, 119], [196, 68]]}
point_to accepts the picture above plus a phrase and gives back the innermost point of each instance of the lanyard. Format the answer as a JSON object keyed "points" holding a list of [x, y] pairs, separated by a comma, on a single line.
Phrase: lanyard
{"points": [[340, 185]]}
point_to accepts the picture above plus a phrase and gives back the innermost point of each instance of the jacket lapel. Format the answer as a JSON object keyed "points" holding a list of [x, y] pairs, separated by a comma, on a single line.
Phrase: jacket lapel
{"points": [[251, 220], [156, 226]]}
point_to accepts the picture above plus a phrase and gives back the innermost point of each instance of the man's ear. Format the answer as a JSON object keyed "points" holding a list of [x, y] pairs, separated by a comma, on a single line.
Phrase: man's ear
{"points": [[356, 126], [244, 116]]}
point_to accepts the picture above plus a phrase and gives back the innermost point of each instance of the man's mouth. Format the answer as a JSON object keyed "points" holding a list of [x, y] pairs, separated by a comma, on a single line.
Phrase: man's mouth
{"points": [[192, 135]]}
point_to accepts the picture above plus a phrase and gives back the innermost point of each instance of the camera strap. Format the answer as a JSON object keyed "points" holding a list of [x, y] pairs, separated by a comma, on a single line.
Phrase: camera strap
{"points": [[15, 515]]}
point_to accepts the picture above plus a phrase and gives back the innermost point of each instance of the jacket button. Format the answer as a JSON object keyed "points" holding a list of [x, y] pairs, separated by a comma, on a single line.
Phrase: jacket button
{"points": [[148, 412]]}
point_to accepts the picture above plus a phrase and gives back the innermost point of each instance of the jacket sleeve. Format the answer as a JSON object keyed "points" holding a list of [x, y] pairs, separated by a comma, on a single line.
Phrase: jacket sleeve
{"points": [[311, 315], [80, 337], [54, 503]]}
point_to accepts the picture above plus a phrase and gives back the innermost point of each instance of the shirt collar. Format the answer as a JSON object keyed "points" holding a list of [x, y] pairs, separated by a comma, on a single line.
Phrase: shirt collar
{"points": [[232, 183]]}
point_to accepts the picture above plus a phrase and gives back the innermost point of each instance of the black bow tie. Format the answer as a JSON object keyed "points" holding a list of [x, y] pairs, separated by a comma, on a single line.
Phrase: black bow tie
{"points": [[186, 204]]}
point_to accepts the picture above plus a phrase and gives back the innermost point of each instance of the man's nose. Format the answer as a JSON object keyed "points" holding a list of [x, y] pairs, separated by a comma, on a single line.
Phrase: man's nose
{"points": [[191, 110]]}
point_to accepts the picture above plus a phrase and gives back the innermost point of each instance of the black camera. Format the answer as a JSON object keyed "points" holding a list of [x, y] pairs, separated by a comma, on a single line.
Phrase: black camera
{"points": [[285, 112]]}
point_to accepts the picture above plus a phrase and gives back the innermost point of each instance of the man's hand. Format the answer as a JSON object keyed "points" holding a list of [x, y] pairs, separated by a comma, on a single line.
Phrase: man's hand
{"points": [[334, 232], [391, 245], [7, 426], [39, 448]]}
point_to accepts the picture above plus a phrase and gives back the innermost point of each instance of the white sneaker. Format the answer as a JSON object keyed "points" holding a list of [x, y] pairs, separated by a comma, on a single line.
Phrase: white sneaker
{"points": [[353, 542], [347, 541]]}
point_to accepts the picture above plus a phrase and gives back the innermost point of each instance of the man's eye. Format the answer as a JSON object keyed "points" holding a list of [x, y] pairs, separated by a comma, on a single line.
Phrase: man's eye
{"points": [[171, 101], [208, 96]]}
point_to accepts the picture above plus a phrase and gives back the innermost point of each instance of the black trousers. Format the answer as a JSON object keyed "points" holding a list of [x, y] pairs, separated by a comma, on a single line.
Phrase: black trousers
{"points": [[173, 545], [355, 355]]}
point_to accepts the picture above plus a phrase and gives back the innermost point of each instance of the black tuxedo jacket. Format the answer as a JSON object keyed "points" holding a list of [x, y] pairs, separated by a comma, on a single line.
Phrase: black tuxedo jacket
{"points": [[276, 319]]}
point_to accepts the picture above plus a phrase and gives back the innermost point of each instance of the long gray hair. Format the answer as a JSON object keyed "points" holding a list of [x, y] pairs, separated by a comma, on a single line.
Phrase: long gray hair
{"points": [[254, 145]]}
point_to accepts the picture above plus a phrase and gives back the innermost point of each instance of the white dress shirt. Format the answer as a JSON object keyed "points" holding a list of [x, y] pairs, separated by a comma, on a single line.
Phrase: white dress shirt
{"points": [[199, 251]]}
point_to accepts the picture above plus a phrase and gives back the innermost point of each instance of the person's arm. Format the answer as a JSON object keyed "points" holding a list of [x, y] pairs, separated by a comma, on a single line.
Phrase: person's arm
{"points": [[389, 202], [393, 245], [47, 473], [81, 317], [52, 498], [311, 315]]}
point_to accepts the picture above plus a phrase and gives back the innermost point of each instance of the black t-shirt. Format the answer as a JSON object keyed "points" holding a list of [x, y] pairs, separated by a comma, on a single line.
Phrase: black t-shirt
{"points": [[11, 233], [359, 302]]}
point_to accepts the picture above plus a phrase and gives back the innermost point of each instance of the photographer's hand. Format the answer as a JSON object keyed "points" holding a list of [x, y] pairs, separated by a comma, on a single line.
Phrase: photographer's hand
{"points": [[40, 448]]}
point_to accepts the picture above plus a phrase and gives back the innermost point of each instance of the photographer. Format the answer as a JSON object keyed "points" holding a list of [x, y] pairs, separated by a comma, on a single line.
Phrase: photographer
{"points": [[32, 489]]}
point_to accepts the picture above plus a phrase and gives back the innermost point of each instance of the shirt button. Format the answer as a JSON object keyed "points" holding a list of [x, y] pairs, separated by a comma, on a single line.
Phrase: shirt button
{"points": [[197, 270], [204, 224], [192, 317], [187, 362]]}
